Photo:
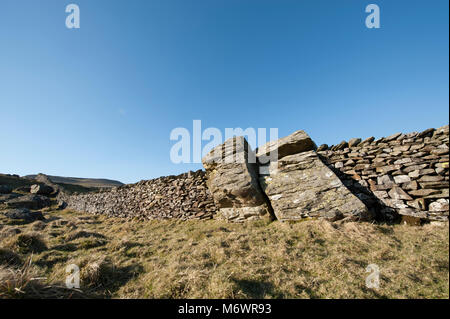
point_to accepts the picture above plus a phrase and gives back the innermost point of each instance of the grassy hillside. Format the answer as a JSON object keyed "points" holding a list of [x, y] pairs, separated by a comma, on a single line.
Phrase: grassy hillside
{"points": [[84, 182], [215, 259]]}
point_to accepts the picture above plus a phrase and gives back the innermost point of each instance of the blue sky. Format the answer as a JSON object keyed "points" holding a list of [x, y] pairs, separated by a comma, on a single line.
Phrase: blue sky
{"points": [[101, 101]]}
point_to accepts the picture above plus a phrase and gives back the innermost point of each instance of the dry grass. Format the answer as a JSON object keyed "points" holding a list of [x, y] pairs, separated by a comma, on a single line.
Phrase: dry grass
{"points": [[215, 259]]}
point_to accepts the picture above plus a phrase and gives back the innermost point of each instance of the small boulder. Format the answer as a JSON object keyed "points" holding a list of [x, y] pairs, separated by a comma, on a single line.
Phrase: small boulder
{"points": [[41, 189]]}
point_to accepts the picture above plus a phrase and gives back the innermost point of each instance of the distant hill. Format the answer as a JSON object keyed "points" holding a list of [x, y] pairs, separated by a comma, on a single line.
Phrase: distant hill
{"points": [[84, 182]]}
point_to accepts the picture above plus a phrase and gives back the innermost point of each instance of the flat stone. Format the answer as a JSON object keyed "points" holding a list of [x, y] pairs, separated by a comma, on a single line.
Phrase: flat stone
{"points": [[423, 192], [387, 169], [394, 203], [410, 185], [295, 143], [414, 168], [428, 178], [397, 193], [400, 179], [392, 137], [368, 140], [441, 205], [443, 193], [442, 184], [342, 145], [322, 147], [354, 142]]}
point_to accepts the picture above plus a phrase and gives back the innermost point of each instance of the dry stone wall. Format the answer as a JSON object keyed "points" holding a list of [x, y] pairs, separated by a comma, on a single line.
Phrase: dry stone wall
{"points": [[185, 196], [402, 175]]}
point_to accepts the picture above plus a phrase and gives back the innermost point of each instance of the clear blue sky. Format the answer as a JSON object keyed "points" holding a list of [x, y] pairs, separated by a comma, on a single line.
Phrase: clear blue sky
{"points": [[102, 100]]}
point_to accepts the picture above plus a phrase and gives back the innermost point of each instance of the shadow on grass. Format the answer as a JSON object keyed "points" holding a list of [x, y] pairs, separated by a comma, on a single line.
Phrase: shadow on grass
{"points": [[256, 289]]}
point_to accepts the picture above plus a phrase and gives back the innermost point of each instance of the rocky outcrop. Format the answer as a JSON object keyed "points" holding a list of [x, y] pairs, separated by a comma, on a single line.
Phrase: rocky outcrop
{"points": [[41, 189], [402, 175], [29, 202], [232, 178], [24, 214]]}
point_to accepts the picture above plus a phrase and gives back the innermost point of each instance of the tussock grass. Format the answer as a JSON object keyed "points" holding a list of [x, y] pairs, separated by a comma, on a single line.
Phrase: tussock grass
{"points": [[29, 243], [215, 259], [8, 257], [25, 283]]}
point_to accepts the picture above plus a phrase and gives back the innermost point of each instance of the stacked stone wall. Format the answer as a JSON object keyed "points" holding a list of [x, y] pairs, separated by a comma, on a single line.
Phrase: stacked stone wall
{"points": [[185, 196], [402, 174]]}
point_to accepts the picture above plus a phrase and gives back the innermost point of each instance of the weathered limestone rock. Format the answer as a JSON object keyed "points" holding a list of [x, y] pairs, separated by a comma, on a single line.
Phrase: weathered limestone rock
{"points": [[322, 147], [232, 178], [295, 143], [301, 186], [354, 142], [41, 189]]}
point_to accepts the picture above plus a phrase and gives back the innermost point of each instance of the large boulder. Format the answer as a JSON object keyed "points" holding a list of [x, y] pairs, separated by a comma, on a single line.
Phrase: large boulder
{"points": [[232, 178], [29, 201], [299, 185], [41, 189]]}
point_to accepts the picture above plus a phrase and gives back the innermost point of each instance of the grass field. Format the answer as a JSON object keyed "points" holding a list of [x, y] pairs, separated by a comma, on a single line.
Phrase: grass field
{"points": [[215, 259]]}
